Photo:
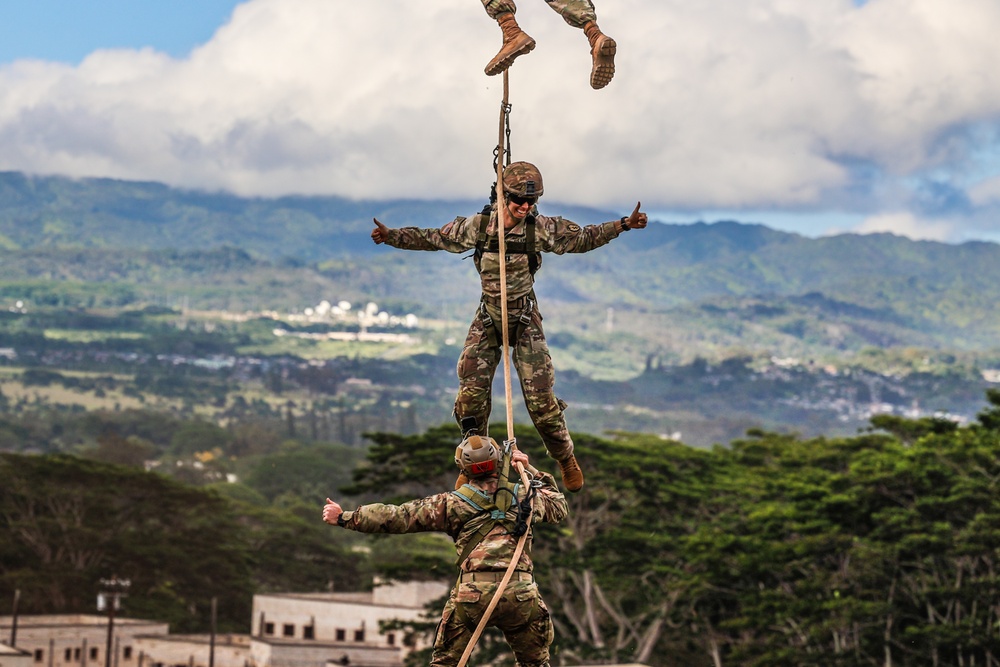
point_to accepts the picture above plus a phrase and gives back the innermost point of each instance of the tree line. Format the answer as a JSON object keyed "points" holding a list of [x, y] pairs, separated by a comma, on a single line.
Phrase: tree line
{"points": [[879, 549], [875, 549]]}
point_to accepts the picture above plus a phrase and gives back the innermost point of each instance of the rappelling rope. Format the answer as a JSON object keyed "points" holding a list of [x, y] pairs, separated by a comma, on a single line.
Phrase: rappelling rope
{"points": [[511, 442]]}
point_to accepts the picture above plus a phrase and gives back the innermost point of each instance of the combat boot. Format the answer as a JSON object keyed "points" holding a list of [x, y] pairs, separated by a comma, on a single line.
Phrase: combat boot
{"points": [[603, 50], [572, 475], [515, 43], [461, 481]]}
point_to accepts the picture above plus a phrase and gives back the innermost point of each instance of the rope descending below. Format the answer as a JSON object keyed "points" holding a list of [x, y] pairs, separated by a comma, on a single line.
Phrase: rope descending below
{"points": [[510, 442]]}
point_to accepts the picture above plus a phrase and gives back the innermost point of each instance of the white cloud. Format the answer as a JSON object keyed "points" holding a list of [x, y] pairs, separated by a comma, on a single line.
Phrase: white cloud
{"points": [[719, 103], [986, 192], [906, 224]]}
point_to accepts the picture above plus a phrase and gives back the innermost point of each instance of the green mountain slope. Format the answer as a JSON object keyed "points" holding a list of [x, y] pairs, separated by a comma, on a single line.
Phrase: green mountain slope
{"points": [[674, 288]]}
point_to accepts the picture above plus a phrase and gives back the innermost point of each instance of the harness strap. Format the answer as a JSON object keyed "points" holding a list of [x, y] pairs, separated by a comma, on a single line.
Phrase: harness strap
{"points": [[534, 257], [514, 304], [523, 319], [486, 243], [492, 511], [470, 494], [493, 576]]}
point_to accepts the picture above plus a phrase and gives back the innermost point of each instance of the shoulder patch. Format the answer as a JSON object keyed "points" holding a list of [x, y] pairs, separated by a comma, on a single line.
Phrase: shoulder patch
{"points": [[446, 229], [573, 227]]}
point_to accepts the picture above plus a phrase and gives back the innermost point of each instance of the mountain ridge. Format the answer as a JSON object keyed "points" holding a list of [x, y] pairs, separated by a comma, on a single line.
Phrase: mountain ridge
{"points": [[221, 249]]}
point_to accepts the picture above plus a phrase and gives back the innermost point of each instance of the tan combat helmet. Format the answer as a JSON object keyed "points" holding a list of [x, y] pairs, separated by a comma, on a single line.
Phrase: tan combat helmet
{"points": [[522, 179], [477, 456]]}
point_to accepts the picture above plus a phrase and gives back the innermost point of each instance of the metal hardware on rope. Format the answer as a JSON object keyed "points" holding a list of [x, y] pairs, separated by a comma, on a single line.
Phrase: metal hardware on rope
{"points": [[505, 121]]}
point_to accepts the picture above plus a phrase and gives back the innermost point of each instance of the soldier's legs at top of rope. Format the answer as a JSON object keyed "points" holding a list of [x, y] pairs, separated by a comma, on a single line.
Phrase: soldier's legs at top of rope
{"points": [[533, 363], [581, 14], [515, 41]]}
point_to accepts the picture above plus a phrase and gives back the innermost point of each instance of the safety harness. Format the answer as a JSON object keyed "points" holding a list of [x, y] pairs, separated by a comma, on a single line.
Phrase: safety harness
{"points": [[496, 509], [486, 243], [526, 304]]}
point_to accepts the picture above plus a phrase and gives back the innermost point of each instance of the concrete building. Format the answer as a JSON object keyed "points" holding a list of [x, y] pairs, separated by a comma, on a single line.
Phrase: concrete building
{"points": [[314, 629], [12, 657], [193, 650], [287, 630], [79, 640]]}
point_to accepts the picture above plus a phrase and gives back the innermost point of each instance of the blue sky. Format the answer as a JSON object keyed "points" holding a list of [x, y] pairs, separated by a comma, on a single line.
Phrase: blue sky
{"points": [[816, 117], [69, 30]]}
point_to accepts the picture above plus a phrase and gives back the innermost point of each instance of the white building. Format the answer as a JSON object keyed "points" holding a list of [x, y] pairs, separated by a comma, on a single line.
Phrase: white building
{"points": [[193, 650], [287, 630], [78, 640], [12, 657], [313, 629]]}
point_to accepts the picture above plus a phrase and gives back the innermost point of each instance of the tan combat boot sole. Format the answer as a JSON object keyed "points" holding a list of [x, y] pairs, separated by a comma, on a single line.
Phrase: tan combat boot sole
{"points": [[604, 62]]}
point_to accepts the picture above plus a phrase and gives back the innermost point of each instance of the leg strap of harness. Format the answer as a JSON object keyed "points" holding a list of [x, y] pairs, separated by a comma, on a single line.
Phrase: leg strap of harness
{"points": [[523, 320], [489, 325]]}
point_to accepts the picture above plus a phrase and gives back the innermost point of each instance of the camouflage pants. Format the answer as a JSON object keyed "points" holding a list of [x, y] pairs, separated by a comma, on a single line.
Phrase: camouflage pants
{"points": [[575, 12], [477, 366], [521, 615]]}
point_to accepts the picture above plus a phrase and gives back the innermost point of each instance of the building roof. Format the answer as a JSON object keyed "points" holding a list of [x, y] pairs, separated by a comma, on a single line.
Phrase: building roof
{"points": [[413, 595], [72, 620], [8, 651], [362, 597], [220, 639]]}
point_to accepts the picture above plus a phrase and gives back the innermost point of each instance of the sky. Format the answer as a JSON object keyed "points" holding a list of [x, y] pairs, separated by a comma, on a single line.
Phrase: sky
{"points": [[812, 116]]}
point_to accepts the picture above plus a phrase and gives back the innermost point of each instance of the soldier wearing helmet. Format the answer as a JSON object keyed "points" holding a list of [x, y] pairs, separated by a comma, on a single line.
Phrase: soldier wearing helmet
{"points": [[528, 234], [577, 13], [478, 457], [521, 613]]}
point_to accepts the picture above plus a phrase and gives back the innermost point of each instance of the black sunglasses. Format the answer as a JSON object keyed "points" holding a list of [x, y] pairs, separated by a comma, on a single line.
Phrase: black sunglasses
{"points": [[518, 200]]}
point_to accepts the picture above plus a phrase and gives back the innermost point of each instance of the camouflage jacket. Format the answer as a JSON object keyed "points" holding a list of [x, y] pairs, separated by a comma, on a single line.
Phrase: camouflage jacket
{"points": [[446, 512], [552, 234]]}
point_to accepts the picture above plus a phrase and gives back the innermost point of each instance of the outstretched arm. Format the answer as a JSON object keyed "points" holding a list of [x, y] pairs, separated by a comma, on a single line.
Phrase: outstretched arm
{"points": [[456, 236], [565, 236], [415, 516]]}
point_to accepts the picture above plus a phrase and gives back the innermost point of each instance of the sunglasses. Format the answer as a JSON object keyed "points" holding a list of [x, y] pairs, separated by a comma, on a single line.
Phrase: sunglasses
{"points": [[518, 200]]}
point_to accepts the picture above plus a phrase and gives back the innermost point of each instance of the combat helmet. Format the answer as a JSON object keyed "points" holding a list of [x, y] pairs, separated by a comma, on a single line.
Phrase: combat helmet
{"points": [[477, 456], [522, 179]]}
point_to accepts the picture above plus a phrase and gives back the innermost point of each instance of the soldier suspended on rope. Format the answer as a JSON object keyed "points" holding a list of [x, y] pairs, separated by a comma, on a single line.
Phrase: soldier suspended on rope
{"points": [[528, 234], [484, 518], [577, 13]]}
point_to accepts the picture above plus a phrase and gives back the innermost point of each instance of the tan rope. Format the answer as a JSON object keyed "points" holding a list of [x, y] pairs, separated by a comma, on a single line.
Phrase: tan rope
{"points": [[502, 215]]}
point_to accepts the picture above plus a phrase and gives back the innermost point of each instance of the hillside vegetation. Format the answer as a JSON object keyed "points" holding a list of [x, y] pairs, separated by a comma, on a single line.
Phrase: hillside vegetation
{"points": [[701, 329], [879, 548], [106, 242]]}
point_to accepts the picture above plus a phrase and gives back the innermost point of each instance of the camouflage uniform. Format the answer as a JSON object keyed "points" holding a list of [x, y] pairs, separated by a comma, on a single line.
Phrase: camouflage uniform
{"points": [[520, 614], [575, 12], [530, 354]]}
